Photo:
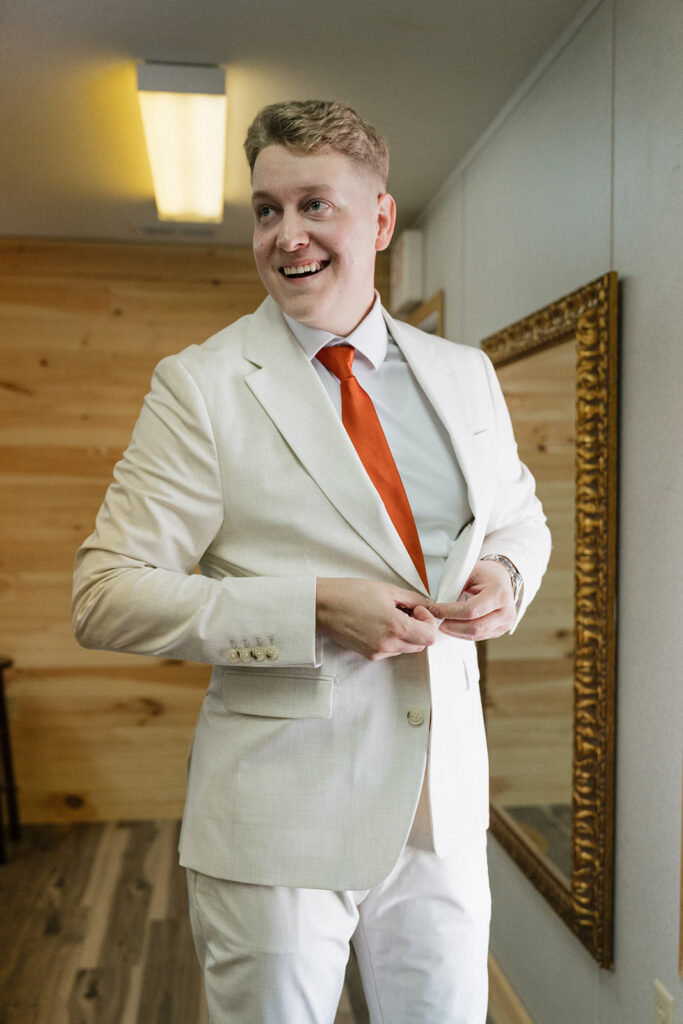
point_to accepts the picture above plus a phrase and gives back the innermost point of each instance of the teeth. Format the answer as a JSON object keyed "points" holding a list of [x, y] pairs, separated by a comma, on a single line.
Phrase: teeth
{"points": [[305, 268]]}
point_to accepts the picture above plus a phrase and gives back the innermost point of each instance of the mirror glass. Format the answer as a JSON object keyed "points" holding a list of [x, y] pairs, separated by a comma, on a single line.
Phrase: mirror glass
{"points": [[530, 675]]}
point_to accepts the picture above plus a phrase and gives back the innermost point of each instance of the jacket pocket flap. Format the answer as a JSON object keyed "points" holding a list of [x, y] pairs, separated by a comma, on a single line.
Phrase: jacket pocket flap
{"points": [[278, 695]]}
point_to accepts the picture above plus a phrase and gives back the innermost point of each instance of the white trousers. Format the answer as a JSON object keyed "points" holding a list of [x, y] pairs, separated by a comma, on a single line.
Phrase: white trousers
{"points": [[274, 955]]}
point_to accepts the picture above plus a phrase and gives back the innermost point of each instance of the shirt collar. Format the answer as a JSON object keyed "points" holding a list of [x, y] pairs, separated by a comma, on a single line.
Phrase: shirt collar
{"points": [[369, 338]]}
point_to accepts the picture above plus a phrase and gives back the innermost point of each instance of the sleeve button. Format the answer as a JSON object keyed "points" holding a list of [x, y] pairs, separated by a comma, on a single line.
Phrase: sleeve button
{"points": [[272, 653], [245, 654], [232, 654], [258, 653]]}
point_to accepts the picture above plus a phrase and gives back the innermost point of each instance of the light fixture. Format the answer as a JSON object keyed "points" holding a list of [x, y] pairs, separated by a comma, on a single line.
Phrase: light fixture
{"points": [[184, 118]]}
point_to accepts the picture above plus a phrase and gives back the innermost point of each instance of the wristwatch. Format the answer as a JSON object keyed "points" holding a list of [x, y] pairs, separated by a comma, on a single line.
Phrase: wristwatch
{"points": [[515, 576]]}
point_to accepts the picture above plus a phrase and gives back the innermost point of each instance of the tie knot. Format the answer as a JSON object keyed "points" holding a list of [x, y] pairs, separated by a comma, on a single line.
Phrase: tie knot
{"points": [[338, 359]]}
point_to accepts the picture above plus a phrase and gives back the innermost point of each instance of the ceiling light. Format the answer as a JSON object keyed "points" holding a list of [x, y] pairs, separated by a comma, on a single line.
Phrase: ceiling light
{"points": [[184, 117]]}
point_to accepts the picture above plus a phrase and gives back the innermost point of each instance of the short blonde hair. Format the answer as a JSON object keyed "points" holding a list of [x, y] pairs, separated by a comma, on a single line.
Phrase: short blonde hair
{"points": [[311, 125]]}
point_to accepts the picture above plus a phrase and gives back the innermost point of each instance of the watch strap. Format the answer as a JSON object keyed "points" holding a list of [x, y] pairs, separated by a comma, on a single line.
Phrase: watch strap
{"points": [[515, 576]]}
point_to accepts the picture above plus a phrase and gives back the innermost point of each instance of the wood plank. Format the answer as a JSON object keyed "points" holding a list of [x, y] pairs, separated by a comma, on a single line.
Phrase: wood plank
{"points": [[95, 930], [44, 923], [103, 261], [131, 730], [132, 260]]}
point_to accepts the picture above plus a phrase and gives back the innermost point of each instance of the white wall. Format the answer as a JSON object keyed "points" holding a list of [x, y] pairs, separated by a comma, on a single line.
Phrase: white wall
{"points": [[581, 174]]}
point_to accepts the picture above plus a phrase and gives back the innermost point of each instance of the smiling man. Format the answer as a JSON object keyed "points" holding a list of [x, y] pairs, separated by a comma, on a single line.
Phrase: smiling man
{"points": [[351, 490], [318, 224]]}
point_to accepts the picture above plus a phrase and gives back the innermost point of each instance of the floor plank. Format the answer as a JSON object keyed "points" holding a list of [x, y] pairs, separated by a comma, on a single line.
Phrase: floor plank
{"points": [[94, 930]]}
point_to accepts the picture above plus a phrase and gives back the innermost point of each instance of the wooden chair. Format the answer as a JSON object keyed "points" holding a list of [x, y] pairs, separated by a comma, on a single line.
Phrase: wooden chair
{"points": [[8, 789]]}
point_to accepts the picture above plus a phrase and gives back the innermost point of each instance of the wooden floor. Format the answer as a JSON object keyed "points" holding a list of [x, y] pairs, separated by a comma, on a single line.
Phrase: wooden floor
{"points": [[94, 930]]}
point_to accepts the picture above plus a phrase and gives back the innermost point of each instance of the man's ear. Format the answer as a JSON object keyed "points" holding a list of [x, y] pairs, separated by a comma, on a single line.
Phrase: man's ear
{"points": [[386, 220]]}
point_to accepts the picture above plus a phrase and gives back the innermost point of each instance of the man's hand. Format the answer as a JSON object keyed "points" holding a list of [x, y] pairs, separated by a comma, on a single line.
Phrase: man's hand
{"points": [[377, 620], [486, 607]]}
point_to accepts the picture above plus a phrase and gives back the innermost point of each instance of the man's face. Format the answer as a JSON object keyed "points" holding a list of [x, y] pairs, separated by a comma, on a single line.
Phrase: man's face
{"points": [[319, 220]]}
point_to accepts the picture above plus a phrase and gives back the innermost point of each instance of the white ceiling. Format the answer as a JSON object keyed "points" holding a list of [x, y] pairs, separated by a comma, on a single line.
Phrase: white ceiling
{"points": [[430, 75]]}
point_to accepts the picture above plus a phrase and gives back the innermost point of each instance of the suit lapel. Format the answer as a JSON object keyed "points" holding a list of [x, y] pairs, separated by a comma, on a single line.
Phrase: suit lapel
{"points": [[290, 392], [442, 387], [439, 381]]}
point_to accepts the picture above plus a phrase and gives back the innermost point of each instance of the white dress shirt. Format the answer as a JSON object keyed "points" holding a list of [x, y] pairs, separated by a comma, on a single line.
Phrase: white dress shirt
{"points": [[418, 440]]}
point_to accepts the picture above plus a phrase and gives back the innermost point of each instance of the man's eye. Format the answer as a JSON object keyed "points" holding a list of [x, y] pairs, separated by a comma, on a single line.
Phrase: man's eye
{"points": [[264, 212], [317, 205]]}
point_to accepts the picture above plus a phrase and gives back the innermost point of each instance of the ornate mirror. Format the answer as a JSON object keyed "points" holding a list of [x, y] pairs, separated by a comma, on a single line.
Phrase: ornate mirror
{"points": [[549, 688]]}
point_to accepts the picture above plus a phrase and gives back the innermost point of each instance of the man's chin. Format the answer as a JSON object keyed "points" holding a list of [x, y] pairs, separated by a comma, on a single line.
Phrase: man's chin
{"points": [[321, 312], [303, 308]]}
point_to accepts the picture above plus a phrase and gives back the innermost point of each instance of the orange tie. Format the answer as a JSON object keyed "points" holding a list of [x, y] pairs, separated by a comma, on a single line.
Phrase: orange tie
{"points": [[363, 427]]}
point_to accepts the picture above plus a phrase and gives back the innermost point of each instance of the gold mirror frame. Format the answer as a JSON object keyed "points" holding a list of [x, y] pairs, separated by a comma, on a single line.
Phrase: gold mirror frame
{"points": [[588, 317]]}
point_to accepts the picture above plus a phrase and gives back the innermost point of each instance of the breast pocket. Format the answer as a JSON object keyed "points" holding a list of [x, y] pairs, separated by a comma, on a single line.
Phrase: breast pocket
{"points": [[272, 694], [482, 441], [485, 463]]}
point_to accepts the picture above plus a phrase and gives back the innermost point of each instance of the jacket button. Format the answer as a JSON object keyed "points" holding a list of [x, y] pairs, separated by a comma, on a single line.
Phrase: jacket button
{"points": [[232, 654], [416, 716], [245, 654], [272, 653]]}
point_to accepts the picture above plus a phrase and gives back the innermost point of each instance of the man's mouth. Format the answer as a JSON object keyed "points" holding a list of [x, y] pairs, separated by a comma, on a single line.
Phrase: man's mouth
{"points": [[305, 269]]}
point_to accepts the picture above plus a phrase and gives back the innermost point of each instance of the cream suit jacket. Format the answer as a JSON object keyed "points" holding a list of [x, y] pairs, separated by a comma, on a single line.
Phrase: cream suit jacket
{"points": [[305, 768]]}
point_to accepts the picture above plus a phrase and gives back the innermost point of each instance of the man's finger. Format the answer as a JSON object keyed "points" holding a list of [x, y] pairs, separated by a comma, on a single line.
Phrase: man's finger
{"points": [[417, 632], [486, 628], [423, 614], [407, 600], [471, 607]]}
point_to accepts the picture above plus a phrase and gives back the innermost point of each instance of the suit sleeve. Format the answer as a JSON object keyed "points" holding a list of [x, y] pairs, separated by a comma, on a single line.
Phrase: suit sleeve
{"points": [[517, 525], [135, 586]]}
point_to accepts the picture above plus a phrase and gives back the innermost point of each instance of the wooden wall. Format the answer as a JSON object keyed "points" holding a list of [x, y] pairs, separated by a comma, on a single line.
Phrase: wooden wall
{"points": [[96, 735]]}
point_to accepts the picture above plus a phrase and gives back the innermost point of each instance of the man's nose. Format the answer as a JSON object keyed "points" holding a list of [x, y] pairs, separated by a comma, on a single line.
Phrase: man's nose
{"points": [[292, 233]]}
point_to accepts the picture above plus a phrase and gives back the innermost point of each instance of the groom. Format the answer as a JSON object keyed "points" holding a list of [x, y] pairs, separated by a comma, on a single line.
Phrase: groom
{"points": [[351, 490]]}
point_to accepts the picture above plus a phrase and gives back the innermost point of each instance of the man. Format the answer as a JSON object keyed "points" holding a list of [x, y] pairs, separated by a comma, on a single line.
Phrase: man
{"points": [[352, 492]]}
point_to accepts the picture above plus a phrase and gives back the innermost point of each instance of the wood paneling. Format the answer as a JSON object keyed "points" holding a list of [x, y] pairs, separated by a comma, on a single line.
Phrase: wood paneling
{"points": [[96, 735]]}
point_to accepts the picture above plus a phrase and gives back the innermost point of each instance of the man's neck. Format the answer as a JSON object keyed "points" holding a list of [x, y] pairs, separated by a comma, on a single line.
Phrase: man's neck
{"points": [[369, 337]]}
